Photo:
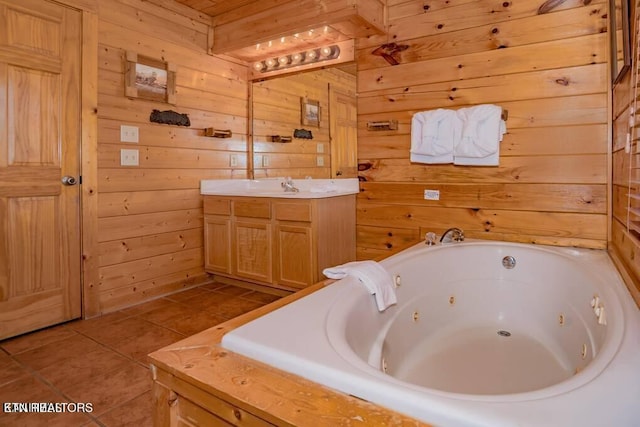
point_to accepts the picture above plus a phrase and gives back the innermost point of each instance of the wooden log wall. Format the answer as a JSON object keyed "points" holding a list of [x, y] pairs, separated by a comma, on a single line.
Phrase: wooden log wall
{"points": [[625, 244], [150, 216], [544, 62], [276, 111]]}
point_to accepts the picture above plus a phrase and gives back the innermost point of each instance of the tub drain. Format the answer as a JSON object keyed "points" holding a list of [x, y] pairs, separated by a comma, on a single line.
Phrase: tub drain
{"points": [[504, 333]]}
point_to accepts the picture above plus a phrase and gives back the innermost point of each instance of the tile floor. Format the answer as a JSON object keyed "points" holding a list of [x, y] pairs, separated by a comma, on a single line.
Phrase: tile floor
{"points": [[103, 361]]}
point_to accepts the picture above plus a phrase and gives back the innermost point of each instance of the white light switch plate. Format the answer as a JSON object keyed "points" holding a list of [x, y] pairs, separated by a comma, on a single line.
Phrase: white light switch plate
{"points": [[129, 133], [129, 157], [320, 160], [319, 147]]}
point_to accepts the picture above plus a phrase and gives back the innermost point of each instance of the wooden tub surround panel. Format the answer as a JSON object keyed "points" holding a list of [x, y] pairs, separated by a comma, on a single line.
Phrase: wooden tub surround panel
{"points": [[199, 383]]}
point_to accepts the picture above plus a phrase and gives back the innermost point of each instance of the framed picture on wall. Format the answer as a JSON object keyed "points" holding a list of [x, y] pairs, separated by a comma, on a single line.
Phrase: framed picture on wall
{"points": [[619, 38], [310, 112], [149, 78]]}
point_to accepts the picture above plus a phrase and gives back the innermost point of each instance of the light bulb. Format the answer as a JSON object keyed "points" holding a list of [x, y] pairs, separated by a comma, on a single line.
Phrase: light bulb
{"points": [[326, 51], [258, 66], [271, 62], [296, 58], [311, 55], [283, 60]]}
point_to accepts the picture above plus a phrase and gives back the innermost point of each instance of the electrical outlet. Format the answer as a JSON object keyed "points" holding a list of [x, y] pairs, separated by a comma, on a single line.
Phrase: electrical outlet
{"points": [[128, 133], [432, 194], [265, 161], [233, 160], [319, 147], [129, 157], [320, 160]]}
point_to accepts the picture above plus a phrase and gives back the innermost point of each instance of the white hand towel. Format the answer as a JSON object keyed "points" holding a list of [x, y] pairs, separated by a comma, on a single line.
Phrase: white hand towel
{"points": [[372, 275], [433, 135], [482, 131]]}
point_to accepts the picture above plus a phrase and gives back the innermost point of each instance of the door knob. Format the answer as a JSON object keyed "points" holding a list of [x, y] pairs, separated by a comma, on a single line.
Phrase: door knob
{"points": [[69, 180]]}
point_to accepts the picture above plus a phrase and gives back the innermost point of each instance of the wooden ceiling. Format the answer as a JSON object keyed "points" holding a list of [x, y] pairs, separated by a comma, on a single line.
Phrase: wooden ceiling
{"points": [[254, 30], [215, 8]]}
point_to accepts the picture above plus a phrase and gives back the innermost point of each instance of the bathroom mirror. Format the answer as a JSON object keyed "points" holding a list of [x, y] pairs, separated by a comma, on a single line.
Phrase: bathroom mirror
{"points": [[328, 149], [619, 38]]}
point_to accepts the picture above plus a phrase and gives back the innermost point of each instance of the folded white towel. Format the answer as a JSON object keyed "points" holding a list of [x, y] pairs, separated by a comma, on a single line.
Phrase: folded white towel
{"points": [[482, 131], [372, 275], [433, 135]]}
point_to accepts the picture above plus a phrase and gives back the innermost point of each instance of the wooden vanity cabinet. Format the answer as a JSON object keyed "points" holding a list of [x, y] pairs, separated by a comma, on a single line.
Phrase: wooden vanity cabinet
{"points": [[278, 242]]}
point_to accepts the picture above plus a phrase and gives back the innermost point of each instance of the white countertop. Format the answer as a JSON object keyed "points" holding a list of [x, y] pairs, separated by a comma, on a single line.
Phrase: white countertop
{"points": [[271, 187]]}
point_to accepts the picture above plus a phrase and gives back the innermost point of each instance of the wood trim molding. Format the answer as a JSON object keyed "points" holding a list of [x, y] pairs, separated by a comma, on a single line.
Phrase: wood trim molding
{"points": [[89, 165]]}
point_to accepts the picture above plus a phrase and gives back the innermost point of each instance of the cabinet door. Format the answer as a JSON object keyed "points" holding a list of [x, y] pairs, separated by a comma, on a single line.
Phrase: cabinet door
{"points": [[294, 256], [252, 249], [217, 247]]}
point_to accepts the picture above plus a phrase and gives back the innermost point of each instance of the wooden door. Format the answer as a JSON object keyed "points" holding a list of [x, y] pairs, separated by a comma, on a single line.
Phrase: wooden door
{"points": [[344, 134], [40, 44]]}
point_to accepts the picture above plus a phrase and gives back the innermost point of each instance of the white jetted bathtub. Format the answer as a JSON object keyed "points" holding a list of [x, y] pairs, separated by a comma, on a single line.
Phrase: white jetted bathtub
{"points": [[484, 334]]}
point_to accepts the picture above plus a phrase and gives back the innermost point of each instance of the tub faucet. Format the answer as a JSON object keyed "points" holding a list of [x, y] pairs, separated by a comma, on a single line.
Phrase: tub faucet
{"points": [[288, 186], [453, 234]]}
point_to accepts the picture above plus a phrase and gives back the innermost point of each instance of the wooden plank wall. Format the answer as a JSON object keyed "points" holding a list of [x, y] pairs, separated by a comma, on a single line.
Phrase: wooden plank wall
{"points": [[548, 68], [276, 111], [150, 216], [625, 245]]}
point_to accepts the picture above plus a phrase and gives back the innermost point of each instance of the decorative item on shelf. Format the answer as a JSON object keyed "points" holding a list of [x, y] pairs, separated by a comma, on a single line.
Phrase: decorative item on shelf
{"points": [[279, 138], [309, 112], [149, 78], [217, 133], [169, 117], [383, 125], [390, 51], [302, 134], [310, 56]]}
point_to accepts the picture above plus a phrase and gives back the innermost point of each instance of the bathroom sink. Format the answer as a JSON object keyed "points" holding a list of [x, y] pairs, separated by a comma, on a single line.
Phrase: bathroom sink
{"points": [[271, 187]]}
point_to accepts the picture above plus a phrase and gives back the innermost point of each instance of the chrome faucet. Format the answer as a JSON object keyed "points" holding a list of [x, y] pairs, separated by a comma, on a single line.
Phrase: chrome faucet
{"points": [[288, 186], [454, 234]]}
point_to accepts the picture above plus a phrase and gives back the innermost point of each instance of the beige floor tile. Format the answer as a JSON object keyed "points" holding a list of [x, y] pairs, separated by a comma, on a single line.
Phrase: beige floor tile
{"points": [[193, 323], [237, 306], [213, 286], [233, 290], [185, 295], [111, 389], [261, 297], [97, 322], [161, 315], [134, 413], [83, 368], [153, 338], [30, 389], [57, 352], [210, 302], [147, 306], [120, 330], [10, 370], [36, 339]]}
